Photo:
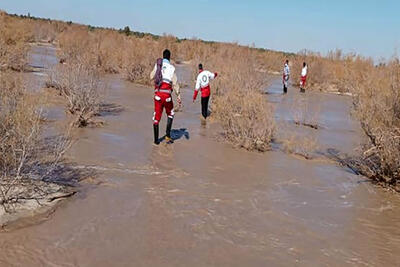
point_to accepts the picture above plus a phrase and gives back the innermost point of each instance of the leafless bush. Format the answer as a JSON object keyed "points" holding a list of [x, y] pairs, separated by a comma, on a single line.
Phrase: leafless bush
{"points": [[26, 155], [303, 146], [243, 112], [305, 115], [13, 43], [139, 59], [246, 118], [376, 92], [82, 88]]}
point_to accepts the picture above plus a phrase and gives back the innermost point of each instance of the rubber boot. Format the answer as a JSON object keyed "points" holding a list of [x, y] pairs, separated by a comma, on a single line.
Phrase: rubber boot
{"points": [[203, 120], [168, 133], [155, 129]]}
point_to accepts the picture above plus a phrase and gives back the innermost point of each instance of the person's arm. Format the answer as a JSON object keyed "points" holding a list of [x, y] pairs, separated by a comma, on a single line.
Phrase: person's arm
{"points": [[212, 76], [153, 72], [175, 86], [197, 88]]}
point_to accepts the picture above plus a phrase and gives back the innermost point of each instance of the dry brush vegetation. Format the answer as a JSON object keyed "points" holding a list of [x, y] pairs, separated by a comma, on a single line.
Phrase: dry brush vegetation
{"points": [[31, 162], [82, 88], [28, 157], [13, 43], [376, 92], [246, 118]]}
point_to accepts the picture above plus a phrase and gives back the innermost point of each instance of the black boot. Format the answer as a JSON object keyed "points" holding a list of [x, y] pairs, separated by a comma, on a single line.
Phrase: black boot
{"points": [[156, 140], [284, 89], [168, 133]]}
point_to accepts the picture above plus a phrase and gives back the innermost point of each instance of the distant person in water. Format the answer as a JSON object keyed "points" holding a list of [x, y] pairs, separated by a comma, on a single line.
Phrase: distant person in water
{"points": [[165, 81], [203, 84], [303, 78], [286, 73]]}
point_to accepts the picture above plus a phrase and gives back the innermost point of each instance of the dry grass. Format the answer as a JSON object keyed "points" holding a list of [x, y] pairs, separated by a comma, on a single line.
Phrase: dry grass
{"points": [[303, 146], [250, 125], [239, 105], [246, 118], [13, 43], [376, 92], [305, 115], [82, 88], [26, 155], [110, 52], [325, 73]]}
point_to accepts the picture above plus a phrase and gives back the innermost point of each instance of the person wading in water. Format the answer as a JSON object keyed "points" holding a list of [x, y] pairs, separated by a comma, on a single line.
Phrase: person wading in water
{"points": [[285, 79], [165, 81], [303, 78], [203, 84]]}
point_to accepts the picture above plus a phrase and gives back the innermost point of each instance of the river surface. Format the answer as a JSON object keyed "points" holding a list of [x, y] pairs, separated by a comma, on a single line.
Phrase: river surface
{"points": [[200, 202]]}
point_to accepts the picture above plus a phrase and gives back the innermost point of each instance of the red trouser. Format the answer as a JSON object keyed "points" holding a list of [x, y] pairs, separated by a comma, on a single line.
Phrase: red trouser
{"points": [[303, 80], [161, 101]]}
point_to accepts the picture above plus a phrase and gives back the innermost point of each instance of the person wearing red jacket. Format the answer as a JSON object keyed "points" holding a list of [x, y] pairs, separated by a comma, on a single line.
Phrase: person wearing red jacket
{"points": [[163, 96], [203, 84]]}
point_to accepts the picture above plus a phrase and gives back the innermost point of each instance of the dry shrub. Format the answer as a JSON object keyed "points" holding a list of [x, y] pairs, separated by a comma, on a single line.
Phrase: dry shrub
{"points": [[139, 58], [303, 146], [26, 155], [305, 115], [245, 116], [46, 30], [376, 92], [325, 73], [271, 61], [111, 52], [13, 43], [82, 88], [320, 73], [77, 44]]}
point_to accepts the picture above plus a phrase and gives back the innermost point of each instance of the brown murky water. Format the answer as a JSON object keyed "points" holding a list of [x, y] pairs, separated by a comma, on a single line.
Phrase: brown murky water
{"points": [[200, 202]]}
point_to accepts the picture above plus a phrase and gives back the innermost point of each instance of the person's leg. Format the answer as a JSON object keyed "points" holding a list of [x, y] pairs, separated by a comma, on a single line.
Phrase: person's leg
{"points": [[302, 85], [169, 108], [158, 107], [285, 86], [206, 109], [204, 106]]}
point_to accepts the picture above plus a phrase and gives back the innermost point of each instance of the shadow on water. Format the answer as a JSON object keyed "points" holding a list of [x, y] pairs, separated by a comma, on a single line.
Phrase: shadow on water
{"points": [[177, 134], [110, 109]]}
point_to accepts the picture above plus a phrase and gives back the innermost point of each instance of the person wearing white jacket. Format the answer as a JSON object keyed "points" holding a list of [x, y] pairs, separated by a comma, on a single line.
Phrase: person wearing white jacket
{"points": [[162, 95], [303, 78], [285, 79], [203, 84]]}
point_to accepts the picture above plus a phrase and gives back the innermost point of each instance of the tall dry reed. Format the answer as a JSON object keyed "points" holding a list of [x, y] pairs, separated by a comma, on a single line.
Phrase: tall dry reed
{"points": [[376, 98]]}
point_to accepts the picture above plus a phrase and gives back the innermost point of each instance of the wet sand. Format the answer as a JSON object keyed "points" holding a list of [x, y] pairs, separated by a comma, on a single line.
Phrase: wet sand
{"points": [[200, 202]]}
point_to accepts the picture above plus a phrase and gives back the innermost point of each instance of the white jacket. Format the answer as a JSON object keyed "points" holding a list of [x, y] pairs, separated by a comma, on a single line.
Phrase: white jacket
{"points": [[286, 70], [304, 71], [168, 75], [203, 79]]}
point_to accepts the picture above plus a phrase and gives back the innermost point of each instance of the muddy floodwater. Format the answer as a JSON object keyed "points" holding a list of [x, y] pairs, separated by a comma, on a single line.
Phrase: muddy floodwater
{"points": [[200, 202]]}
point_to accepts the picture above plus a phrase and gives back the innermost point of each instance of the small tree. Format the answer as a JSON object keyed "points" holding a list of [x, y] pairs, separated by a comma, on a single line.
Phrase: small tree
{"points": [[127, 30]]}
